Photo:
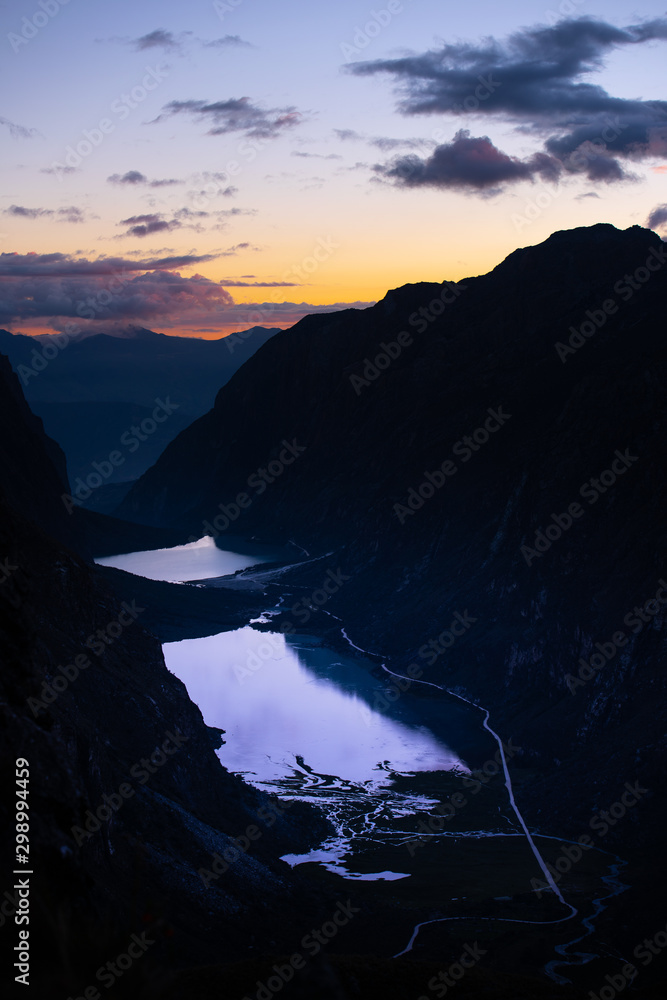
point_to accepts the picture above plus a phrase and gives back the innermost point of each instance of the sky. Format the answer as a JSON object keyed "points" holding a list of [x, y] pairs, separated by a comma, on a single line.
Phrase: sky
{"points": [[207, 167]]}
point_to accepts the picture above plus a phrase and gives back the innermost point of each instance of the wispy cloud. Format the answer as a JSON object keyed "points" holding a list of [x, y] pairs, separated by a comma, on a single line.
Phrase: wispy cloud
{"points": [[19, 131], [235, 115], [69, 214], [177, 44], [135, 177]]}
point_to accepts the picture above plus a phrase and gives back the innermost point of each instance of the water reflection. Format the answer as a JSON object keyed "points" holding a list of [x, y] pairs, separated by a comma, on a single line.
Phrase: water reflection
{"points": [[282, 716], [195, 561]]}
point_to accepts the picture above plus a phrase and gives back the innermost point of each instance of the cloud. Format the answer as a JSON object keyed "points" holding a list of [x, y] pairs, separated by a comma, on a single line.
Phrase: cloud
{"points": [[536, 79], [159, 39], [348, 134], [468, 162], [232, 251], [136, 177], [55, 285], [225, 41], [62, 265], [381, 142], [65, 292], [57, 171], [236, 283], [317, 156], [146, 225], [69, 214], [183, 218], [26, 213], [235, 115], [19, 131], [658, 217]]}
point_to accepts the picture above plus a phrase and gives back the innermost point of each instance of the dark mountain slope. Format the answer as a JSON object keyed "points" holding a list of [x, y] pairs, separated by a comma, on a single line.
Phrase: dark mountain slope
{"points": [[86, 698], [368, 448]]}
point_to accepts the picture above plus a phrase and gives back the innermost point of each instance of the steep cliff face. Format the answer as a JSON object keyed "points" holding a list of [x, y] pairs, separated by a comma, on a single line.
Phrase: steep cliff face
{"points": [[127, 797], [441, 467], [34, 468]]}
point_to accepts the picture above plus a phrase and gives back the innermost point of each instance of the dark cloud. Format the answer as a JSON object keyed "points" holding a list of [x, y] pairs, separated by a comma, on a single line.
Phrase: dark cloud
{"points": [[27, 213], [110, 297], [136, 177], [236, 115], [183, 218], [131, 177], [146, 225], [69, 214], [658, 217], [62, 265], [77, 294], [159, 39], [535, 78], [19, 131], [468, 162]]}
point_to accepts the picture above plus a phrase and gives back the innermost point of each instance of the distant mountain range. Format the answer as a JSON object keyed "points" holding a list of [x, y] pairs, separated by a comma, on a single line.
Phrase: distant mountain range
{"points": [[493, 447], [92, 391]]}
